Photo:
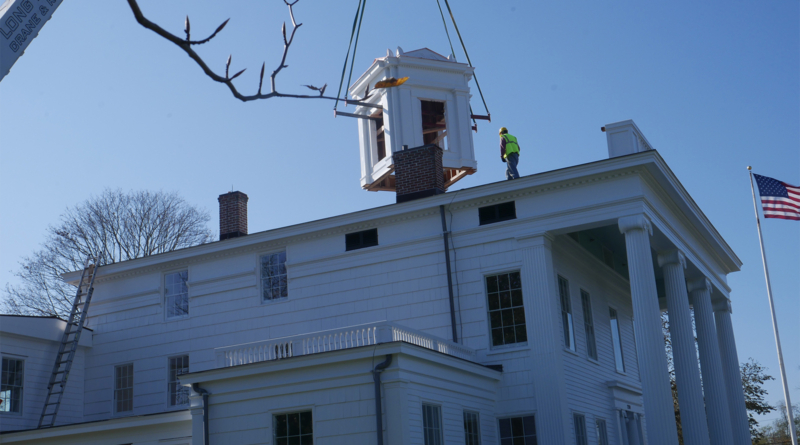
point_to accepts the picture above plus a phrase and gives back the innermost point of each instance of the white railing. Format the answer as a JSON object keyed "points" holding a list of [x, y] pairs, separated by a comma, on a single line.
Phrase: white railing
{"points": [[334, 340]]}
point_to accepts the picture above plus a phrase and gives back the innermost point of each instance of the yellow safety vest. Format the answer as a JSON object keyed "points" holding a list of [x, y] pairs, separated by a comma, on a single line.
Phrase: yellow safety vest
{"points": [[511, 145]]}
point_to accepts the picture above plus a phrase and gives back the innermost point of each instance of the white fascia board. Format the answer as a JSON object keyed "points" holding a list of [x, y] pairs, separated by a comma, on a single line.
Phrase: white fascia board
{"points": [[650, 160], [377, 67], [40, 328], [98, 426], [343, 355]]}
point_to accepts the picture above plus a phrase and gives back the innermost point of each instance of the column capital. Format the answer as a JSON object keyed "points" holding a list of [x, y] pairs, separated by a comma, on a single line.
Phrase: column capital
{"points": [[536, 239], [701, 283], [635, 222], [723, 306], [671, 257], [196, 411]]}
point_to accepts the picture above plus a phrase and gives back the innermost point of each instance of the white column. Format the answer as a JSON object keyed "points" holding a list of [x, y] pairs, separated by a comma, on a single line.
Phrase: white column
{"points": [[684, 352], [196, 408], [719, 424], [543, 313], [396, 410], [733, 377], [661, 427]]}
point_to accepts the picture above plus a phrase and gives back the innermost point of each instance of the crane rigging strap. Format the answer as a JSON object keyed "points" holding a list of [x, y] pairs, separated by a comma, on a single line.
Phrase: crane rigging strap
{"points": [[349, 45], [464, 47]]}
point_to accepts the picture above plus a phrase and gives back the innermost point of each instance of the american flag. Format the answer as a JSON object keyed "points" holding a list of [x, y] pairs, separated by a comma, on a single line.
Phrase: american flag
{"points": [[778, 199]]}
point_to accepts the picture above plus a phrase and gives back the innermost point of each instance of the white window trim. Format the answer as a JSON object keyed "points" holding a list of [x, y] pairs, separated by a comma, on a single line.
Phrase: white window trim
{"points": [[574, 348], [621, 343], [296, 409], [23, 359], [511, 415], [581, 290], [261, 282], [478, 414], [114, 411], [168, 405], [491, 349], [163, 292], [436, 404]]}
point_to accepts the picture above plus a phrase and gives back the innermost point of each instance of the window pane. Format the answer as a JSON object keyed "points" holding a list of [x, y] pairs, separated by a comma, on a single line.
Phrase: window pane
{"points": [[178, 366], [123, 388], [588, 325], [617, 340], [176, 294], [518, 430], [506, 310], [566, 313], [11, 385], [273, 276], [431, 424], [294, 428]]}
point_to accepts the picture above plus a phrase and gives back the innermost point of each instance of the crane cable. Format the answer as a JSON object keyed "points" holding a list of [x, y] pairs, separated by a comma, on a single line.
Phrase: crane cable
{"points": [[355, 32], [464, 47]]}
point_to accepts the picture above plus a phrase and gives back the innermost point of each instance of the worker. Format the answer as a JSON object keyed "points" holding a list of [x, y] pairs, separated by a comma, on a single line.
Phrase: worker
{"points": [[509, 153]]}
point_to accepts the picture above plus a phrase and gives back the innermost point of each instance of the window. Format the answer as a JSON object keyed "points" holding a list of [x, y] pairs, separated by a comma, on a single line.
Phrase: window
{"points": [[11, 380], [178, 366], [518, 430], [273, 276], [566, 313], [360, 240], [602, 433], [294, 428], [579, 420], [434, 126], [176, 293], [497, 213], [616, 339], [588, 325], [123, 388], [432, 424], [472, 429], [380, 134], [506, 311]]}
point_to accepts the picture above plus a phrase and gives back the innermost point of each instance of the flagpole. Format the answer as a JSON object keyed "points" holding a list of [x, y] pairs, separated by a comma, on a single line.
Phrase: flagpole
{"points": [[789, 415]]}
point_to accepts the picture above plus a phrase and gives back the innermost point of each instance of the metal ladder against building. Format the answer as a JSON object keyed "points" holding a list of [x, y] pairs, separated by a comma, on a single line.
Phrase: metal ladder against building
{"points": [[68, 345]]}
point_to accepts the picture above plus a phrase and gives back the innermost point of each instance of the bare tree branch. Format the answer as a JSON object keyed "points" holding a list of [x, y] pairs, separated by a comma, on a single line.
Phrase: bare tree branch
{"points": [[185, 45], [113, 227]]}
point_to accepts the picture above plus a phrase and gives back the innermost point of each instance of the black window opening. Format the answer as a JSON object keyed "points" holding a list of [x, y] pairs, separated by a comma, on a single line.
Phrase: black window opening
{"points": [[360, 240], [380, 134], [434, 126], [496, 213]]}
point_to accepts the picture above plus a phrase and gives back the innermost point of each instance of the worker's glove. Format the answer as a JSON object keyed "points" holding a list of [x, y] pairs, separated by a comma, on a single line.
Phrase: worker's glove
{"points": [[502, 159]]}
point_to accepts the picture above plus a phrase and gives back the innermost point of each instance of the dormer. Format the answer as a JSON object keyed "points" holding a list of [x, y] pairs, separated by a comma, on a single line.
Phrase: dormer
{"points": [[430, 108]]}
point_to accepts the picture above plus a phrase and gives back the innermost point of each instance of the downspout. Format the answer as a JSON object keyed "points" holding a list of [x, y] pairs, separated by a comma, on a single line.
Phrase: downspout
{"points": [[446, 234], [196, 387], [376, 375]]}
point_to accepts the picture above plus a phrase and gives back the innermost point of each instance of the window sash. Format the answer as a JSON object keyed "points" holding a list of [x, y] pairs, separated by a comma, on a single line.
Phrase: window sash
{"points": [[617, 340], [123, 388], [515, 430], [432, 424], [602, 432], [178, 366], [274, 278], [579, 421], [176, 294], [293, 428], [566, 313], [507, 324], [472, 429], [588, 325], [11, 385]]}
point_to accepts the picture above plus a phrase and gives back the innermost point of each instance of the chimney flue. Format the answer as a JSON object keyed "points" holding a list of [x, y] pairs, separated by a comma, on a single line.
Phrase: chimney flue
{"points": [[232, 215], [418, 172]]}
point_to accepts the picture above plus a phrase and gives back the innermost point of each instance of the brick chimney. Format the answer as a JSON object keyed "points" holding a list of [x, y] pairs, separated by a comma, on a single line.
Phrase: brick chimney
{"points": [[418, 172], [232, 215]]}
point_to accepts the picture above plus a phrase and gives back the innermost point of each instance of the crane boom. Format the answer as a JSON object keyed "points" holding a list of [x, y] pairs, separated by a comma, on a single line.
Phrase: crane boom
{"points": [[20, 23]]}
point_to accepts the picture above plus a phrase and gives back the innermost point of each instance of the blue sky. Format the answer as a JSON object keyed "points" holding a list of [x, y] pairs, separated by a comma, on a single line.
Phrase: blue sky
{"points": [[98, 101]]}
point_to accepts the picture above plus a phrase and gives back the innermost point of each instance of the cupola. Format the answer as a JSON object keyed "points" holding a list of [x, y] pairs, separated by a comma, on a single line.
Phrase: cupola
{"points": [[430, 109]]}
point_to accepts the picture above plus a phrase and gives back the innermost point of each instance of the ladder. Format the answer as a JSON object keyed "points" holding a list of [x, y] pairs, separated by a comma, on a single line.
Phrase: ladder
{"points": [[68, 345]]}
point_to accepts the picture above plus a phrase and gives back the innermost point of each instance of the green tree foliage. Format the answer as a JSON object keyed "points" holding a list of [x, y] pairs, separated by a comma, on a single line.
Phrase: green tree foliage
{"points": [[777, 432], [753, 377]]}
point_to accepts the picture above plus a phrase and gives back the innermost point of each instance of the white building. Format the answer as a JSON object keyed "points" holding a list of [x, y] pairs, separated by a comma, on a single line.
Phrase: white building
{"points": [[349, 329]]}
